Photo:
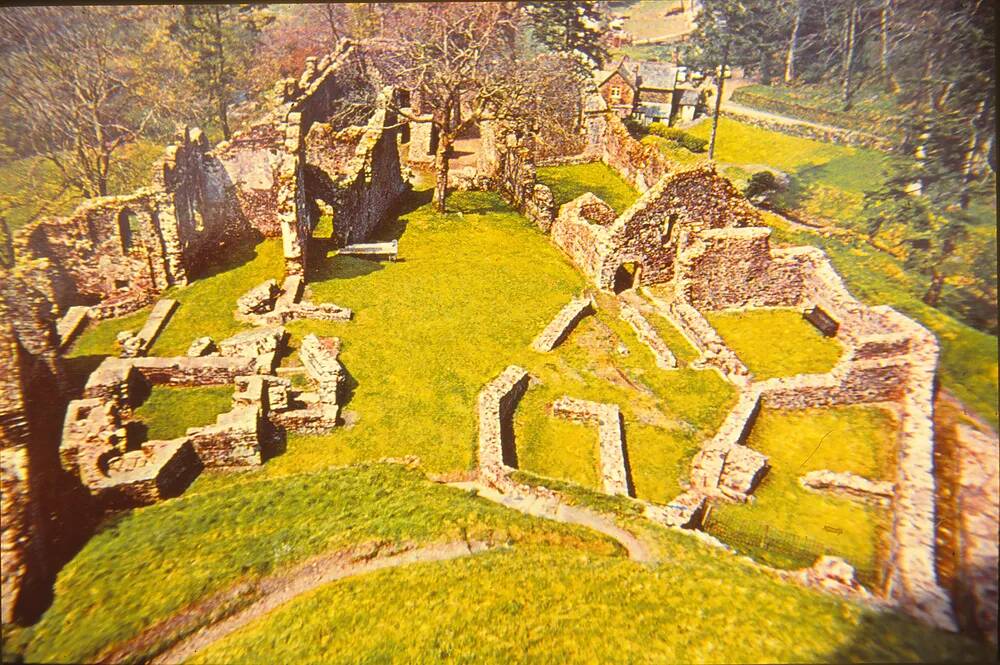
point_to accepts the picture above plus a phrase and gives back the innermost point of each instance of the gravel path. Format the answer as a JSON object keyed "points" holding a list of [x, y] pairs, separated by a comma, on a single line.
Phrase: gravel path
{"points": [[558, 511]]}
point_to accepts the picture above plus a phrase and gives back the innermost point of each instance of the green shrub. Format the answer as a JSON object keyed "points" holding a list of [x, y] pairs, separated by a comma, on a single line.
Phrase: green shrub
{"points": [[693, 143], [761, 184], [678, 136]]}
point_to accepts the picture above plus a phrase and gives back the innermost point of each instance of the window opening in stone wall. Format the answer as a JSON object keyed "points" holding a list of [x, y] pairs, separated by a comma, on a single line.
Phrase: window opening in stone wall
{"points": [[627, 276], [128, 225]]}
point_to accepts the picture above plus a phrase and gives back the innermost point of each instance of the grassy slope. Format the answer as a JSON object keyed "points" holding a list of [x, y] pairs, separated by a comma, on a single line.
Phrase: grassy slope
{"points": [[554, 605], [859, 439], [168, 411], [33, 182], [569, 182], [775, 343], [154, 561]]}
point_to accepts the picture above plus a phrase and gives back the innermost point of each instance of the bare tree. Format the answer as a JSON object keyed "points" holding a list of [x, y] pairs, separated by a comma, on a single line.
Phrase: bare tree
{"points": [[69, 79], [459, 60]]}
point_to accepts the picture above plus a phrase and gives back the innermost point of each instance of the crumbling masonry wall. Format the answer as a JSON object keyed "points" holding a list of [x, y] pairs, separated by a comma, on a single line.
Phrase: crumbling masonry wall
{"points": [[120, 252], [648, 233], [506, 165]]}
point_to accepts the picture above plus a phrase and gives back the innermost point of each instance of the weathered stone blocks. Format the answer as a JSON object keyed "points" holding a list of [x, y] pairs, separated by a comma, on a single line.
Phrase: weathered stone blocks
{"points": [[850, 485], [563, 323], [496, 403], [615, 476]]}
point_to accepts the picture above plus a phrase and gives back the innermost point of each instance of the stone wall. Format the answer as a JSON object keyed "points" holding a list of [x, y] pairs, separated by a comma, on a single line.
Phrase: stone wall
{"points": [[506, 166], [609, 141], [23, 565], [615, 476], [647, 334], [119, 252], [648, 233], [496, 404], [563, 323]]}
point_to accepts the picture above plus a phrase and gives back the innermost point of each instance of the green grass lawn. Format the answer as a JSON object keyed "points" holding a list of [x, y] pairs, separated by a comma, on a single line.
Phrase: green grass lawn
{"points": [[569, 182], [206, 308], [154, 561], [776, 342], [169, 411], [555, 605], [858, 439], [33, 183]]}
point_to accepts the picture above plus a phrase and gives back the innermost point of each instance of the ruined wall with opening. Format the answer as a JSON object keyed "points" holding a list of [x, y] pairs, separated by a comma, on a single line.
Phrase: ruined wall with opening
{"points": [[609, 141], [648, 233], [119, 252]]}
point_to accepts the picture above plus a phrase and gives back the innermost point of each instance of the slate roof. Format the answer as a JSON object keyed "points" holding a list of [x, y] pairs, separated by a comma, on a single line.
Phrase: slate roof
{"points": [[690, 98], [656, 75]]}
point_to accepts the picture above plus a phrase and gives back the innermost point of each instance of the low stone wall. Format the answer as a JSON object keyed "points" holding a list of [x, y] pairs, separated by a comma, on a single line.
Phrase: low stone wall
{"points": [[725, 467], [268, 304], [615, 476], [563, 323], [714, 352], [159, 470], [581, 231], [609, 141], [832, 135], [849, 485], [647, 334], [138, 344], [506, 166], [496, 404], [236, 439], [71, 324], [319, 356], [685, 511]]}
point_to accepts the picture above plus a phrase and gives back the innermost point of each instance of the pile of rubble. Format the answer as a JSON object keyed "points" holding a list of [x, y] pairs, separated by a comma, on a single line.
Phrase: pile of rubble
{"points": [[269, 304]]}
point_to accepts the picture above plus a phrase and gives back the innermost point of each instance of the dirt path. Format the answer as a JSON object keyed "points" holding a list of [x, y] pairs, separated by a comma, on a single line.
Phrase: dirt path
{"points": [[558, 511], [272, 592]]}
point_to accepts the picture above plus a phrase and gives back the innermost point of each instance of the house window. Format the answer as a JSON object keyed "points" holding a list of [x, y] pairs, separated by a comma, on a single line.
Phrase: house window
{"points": [[616, 93]]}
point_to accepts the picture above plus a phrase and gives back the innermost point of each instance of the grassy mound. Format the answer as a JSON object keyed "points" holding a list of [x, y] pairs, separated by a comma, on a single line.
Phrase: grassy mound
{"points": [[554, 605], [152, 562]]}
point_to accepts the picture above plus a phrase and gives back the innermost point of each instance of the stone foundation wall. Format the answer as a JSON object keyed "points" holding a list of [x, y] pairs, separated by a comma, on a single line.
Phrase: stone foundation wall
{"points": [[563, 323], [496, 404], [647, 334], [615, 476]]}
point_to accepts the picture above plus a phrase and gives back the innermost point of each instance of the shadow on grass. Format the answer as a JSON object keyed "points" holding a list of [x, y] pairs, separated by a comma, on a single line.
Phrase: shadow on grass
{"points": [[226, 257], [340, 267], [78, 370], [870, 644], [348, 388]]}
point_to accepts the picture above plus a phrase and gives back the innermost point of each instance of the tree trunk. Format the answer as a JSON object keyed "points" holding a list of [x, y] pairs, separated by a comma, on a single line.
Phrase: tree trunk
{"points": [[441, 170], [888, 78], [978, 121], [933, 295], [792, 43], [718, 100], [849, 46]]}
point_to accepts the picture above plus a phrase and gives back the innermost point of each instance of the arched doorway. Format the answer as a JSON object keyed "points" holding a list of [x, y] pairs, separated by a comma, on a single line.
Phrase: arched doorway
{"points": [[627, 276]]}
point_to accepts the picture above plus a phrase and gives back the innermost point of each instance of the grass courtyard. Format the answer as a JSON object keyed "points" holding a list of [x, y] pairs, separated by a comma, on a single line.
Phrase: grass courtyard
{"points": [[472, 289], [776, 342], [569, 182], [857, 439]]}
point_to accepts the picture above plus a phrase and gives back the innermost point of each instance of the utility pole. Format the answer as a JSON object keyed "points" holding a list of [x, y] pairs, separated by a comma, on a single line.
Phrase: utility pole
{"points": [[723, 25]]}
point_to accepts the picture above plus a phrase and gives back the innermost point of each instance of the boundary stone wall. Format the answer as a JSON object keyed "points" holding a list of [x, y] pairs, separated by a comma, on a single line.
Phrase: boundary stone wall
{"points": [[563, 323], [496, 404]]}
